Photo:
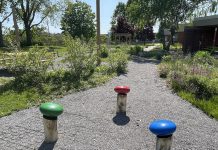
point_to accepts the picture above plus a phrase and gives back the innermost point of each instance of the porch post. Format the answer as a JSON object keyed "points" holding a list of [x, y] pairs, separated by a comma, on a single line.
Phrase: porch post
{"points": [[214, 39]]}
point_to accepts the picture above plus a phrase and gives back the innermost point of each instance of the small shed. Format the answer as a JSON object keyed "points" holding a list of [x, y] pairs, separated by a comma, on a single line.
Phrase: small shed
{"points": [[203, 34]]}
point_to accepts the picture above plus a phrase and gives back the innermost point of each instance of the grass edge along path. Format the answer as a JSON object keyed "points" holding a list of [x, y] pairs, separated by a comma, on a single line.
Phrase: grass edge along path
{"points": [[12, 101], [208, 106]]}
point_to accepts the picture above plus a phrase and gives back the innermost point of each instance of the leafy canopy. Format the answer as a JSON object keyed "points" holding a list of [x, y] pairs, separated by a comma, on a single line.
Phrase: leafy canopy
{"points": [[78, 20], [120, 11]]}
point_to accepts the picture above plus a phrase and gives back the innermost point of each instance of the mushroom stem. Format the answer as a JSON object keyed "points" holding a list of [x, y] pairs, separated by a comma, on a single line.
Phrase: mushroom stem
{"points": [[164, 130], [50, 128], [164, 143], [50, 112], [121, 103]]}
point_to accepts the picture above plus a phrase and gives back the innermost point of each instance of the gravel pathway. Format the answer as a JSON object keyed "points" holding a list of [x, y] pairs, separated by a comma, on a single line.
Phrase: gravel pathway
{"points": [[87, 122]]}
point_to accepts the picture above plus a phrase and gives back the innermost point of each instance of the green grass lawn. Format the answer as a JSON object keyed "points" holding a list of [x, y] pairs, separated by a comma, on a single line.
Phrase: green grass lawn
{"points": [[5, 80], [12, 101], [209, 106], [17, 99]]}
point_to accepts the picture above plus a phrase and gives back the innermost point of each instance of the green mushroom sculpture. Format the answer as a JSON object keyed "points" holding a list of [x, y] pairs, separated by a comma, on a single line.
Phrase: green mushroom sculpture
{"points": [[50, 112]]}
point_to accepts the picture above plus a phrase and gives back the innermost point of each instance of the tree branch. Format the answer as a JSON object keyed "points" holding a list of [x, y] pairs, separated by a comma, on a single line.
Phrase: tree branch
{"points": [[34, 13], [43, 18], [22, 6], [28, 8], [32, 8], [6, 17]]}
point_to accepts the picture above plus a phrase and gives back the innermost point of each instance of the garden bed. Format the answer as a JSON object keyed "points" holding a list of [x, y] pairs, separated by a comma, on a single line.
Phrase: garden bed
{"points": [[195, 79]]}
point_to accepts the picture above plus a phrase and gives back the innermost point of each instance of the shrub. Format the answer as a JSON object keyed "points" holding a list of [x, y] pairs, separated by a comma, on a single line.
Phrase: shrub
{"points": [[121, 48], [202, 87], [118, 62], [81, 58], [135, 50], [164, 70], [104, 52], [30, 66], [157, 54], [103, 69], [197, 75], [203, 57], [167, 58]]}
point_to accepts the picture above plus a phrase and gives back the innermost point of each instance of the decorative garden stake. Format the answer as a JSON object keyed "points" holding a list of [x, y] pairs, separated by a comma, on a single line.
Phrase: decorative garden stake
{"points": [[50, 113], [121, 98], [164, 130]]}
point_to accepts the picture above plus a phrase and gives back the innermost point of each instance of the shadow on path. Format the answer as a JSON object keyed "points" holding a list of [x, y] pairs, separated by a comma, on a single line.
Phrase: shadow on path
{"points": [[121, 119], [5, 73], [142, 60], [47, 146]]}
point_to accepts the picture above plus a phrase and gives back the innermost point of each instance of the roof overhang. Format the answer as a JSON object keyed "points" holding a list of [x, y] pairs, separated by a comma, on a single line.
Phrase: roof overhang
{"points": [[206, 21]]}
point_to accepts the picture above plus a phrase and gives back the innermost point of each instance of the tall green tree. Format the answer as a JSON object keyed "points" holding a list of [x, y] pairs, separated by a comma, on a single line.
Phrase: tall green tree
{"points": [[79, 20], [4, 15], [205, 7], [139, 12], [123, 26], [120, 11], [170, 13], [29, 10]]}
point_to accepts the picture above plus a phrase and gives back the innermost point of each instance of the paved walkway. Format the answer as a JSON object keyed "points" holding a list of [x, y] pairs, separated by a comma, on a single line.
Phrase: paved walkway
{"points": [[87, 122]]}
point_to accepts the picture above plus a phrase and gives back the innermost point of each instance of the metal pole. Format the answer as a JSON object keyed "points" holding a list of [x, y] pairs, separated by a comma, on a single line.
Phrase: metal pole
{"points": [[98, 25]]}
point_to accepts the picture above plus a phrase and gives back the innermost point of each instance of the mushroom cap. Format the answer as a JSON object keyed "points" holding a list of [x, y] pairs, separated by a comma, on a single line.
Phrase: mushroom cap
{"points": [[51, 109], [162, 127], [122, 89]]}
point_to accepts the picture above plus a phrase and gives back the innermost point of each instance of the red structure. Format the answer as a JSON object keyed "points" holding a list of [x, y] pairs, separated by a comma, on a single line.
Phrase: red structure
{"points": [[122, 89]]}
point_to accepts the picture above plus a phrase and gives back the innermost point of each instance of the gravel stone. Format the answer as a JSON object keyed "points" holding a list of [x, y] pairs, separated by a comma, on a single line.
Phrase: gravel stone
{"points": [[87, 121]]}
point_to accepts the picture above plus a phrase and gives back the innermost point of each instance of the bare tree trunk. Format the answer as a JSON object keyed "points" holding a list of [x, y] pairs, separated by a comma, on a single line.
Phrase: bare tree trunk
{"points": [[1, 36], [16, 27]]}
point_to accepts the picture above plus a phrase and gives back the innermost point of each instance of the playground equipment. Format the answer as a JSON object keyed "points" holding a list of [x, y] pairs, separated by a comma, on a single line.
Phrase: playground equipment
{"points": [[164, 130], [50, 113], [121, 98]]}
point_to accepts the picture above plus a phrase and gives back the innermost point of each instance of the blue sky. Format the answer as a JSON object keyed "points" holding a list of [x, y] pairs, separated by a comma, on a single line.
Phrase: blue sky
{"points": [[107, 9]]}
